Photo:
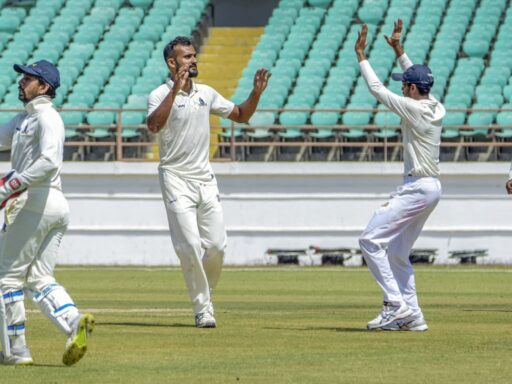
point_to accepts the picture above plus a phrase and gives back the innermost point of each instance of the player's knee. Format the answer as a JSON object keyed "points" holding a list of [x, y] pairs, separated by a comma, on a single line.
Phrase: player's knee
{"points": [[368, 244], [186, 250], [216, 251], [217, 247], [38, 283], [9, 284]]}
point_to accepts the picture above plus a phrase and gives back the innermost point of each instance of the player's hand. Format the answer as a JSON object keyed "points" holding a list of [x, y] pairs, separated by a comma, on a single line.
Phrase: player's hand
{"points": [[10, 186], [181, 79], [508, 186], [261, 80], [361, 43], [395, 37]]}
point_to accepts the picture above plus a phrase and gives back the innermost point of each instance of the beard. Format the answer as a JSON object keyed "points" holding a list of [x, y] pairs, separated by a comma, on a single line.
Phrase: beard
{"points": [[193, 72], [21, 95]]}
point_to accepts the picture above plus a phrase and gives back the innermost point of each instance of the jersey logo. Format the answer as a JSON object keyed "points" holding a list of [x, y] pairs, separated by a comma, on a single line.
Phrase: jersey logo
{"points": [[14, 184], [199, 102], [181, 105], [23, 129]]}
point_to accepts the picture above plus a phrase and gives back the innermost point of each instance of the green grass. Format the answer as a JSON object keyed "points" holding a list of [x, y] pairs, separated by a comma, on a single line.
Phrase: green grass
{"points": [[277, 325]]}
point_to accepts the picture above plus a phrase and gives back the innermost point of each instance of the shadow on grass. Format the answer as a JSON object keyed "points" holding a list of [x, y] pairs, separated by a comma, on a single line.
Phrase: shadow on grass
{"points": [[335, 329], [487, 310], [47, 366], [136, 324]]}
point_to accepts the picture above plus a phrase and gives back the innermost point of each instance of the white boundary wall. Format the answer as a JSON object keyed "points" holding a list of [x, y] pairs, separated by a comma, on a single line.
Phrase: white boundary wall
{"points": [[118, 217]]}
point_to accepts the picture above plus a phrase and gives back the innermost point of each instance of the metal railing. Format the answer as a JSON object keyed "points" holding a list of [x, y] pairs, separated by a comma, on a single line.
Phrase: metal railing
{"points": [[368, 142], [229, 148]]}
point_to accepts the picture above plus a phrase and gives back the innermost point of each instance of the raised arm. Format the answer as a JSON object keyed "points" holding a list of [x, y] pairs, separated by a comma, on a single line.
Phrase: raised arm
{"points": [[404, 107], [157, 119], [394, 39], [242, 113], [394, 42]]}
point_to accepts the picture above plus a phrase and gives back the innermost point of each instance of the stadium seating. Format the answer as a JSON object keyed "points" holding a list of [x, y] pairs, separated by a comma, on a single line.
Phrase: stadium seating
{"points": [[309, 47], [110, 56], [107, 51]]}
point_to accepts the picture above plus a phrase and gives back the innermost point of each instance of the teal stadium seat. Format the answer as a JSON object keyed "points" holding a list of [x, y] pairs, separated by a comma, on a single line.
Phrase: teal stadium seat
{"points": [[228, 130]]}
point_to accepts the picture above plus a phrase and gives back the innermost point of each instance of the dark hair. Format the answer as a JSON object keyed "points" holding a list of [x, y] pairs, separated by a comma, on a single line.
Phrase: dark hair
{"points": [[50, 92], [179, 40], [422, 90]]}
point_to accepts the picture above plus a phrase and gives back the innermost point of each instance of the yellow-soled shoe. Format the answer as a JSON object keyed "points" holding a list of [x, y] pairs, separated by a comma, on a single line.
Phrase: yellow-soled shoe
{"points": [[76, 346]]}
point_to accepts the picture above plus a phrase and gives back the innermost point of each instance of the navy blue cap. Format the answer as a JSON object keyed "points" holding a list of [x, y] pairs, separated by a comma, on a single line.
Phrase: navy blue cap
{"points": [[417, 74], [43, 69]]}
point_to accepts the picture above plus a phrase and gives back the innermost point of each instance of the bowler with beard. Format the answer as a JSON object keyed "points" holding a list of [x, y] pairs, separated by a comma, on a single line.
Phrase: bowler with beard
{"points": [[36, 218], [179, 112]]}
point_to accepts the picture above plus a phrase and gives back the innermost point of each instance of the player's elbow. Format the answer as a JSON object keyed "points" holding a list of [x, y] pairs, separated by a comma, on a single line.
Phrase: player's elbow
{"points": [[241, 119], [239, 115], [375, 87], [152, 128], [153, 125]]}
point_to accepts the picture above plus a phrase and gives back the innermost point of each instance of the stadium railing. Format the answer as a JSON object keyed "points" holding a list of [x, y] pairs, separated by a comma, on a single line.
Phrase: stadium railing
{"points": [[462, 141], [489, 138]]}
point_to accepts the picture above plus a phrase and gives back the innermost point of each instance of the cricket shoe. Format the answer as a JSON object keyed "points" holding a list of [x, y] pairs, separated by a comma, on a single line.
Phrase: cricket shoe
{"points": [[389, 314], [17, 357], [409, 323], [205, 320], [210, 309], [76, 345]]}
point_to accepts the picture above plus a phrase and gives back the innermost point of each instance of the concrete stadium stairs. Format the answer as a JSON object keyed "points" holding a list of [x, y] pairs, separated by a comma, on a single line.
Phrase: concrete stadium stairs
{"points": [[221, 62]]}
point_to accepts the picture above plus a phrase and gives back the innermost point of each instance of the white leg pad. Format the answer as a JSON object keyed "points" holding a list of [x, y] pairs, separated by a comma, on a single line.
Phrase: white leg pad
{"points": [[4, 338], [57, 305], [14, 312]]}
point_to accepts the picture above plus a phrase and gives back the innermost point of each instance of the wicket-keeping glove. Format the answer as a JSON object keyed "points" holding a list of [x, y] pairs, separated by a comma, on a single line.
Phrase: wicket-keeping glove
{"points": [[10, 186]]}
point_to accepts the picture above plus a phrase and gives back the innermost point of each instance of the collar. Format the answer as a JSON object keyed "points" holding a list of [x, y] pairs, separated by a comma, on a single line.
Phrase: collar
{"points": [[193, 90], [38, 104]]}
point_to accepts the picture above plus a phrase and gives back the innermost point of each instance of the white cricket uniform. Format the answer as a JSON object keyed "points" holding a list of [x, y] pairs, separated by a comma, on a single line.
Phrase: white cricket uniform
{"points": [[389, 236], [38, 218], [189, 188]]}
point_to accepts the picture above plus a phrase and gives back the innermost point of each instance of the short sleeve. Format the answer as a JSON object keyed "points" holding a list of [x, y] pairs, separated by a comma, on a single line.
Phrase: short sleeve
{"points": [[154, 100], [219, 105]]}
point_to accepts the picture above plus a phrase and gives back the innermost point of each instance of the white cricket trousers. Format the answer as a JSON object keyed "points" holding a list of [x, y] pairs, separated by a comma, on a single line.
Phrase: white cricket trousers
{"points": [[28, 254], [387, 241], [29, 247], [198, 234]]}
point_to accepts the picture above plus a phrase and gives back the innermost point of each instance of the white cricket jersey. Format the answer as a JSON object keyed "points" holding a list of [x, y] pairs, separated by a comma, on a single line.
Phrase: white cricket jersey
{"points": [[184, 142], [510, 173], [421, 123], [36, 140]]}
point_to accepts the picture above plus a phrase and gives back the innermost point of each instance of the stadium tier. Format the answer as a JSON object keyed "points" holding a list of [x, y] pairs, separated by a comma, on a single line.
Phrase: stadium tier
{"points": [[310, 47], [110, 56], [109, 53]]}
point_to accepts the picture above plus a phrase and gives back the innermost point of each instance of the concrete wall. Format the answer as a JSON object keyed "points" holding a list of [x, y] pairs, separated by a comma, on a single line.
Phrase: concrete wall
{"points": [[118, 217]]}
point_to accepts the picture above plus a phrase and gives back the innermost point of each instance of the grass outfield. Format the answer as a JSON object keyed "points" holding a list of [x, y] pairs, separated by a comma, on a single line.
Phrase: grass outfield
{"points": [[278, 325]]}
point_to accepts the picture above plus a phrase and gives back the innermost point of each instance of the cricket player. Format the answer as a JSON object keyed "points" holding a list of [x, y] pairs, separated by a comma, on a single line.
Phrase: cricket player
{"points": [[179, 111], [36, 217], [389, 236]]}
